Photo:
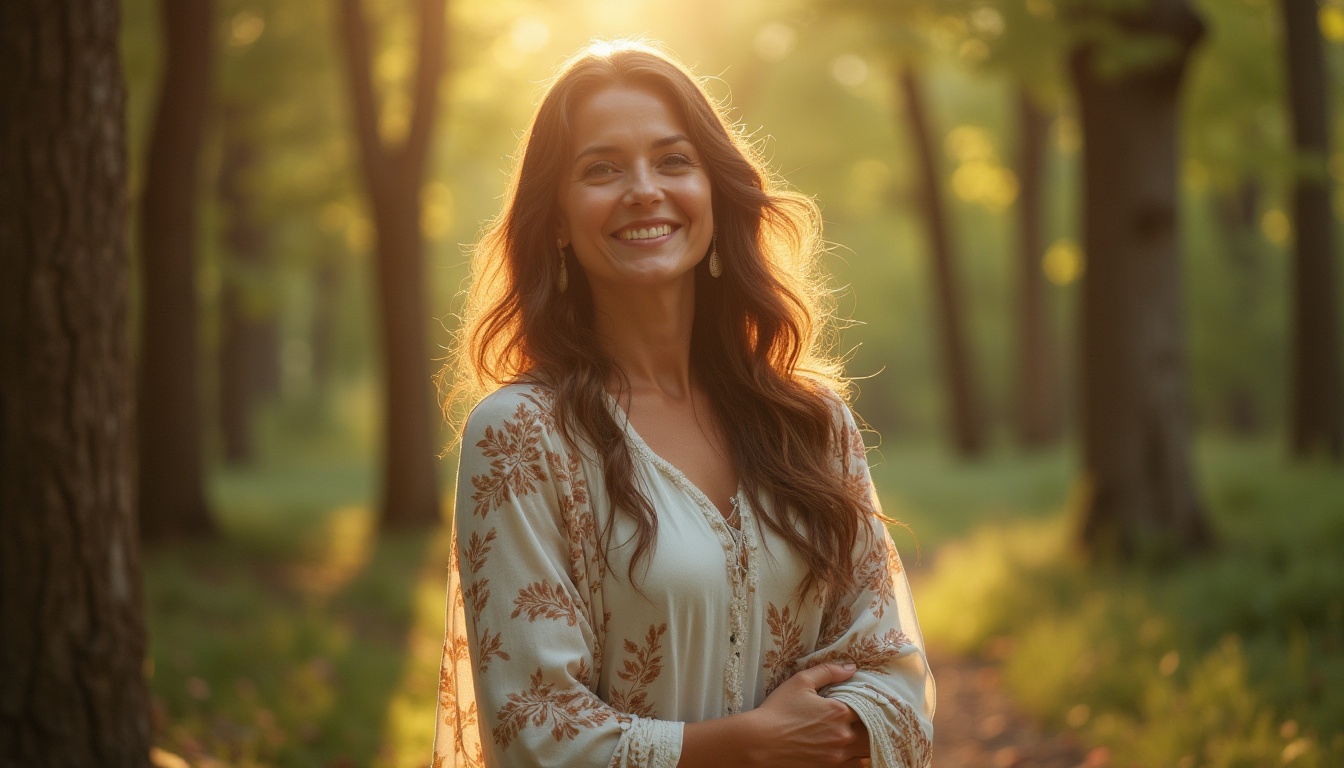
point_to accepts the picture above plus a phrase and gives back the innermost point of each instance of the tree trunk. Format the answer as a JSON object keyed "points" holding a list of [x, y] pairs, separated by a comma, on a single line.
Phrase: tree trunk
{"points": [[1236, 212], [1135, 401], [72, 682], [393, 177], [172, 495], [966, 423], [1037, 408], [1317, 400], [247, 317]]}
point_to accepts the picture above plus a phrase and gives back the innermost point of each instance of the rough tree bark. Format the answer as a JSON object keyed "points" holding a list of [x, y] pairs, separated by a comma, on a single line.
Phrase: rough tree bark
{"points": [[1134, 393], [1317, 400], [393, 176], [248, 336], [1037, 408], [72, 684], [966, 414], [172, 494]]}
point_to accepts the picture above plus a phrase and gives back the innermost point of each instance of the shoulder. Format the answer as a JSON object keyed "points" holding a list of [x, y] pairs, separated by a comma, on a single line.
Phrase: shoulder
{"points": [[513, 406], [846, 430], [843, 420]]}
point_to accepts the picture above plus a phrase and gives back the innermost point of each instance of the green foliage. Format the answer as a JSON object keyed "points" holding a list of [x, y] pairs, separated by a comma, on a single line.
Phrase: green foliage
{"points": [[1233, 659], [301, 639]]}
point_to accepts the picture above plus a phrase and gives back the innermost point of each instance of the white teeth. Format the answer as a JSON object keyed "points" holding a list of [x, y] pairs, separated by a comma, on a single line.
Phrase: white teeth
{"points": [[647, 233]]}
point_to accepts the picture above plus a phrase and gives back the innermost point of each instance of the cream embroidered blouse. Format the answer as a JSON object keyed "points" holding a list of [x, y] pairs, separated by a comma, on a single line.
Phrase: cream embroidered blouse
{"points": [[553, 658]]}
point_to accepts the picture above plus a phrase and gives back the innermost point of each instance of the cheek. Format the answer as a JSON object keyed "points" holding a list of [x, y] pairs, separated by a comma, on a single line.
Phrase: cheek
{"points": [[586, 210]]}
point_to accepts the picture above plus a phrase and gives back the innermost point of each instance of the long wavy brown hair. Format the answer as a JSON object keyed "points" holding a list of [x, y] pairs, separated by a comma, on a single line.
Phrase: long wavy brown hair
{"points": [[757, 342]]}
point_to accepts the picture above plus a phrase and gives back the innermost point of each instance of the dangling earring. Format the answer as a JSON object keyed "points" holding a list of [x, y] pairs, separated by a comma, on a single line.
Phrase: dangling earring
{"points": [[561, 280], [715, 264]]}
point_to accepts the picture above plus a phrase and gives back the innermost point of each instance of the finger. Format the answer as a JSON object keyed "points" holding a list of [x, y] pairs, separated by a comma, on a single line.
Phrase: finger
{"points": [[823, 675]]}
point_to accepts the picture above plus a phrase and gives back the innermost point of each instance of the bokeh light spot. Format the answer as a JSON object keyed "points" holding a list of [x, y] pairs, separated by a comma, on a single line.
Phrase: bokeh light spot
{"points": [[1276, 226], [245, 28], [849, 70], [774, 41], [529, 34], [1332, 22], [1063, 262]]}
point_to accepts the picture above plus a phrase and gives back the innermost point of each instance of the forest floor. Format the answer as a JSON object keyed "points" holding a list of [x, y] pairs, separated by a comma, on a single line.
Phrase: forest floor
{"points": [[978, 726]]}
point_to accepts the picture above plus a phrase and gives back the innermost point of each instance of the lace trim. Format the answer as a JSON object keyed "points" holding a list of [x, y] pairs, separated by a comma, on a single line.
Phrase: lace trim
{"points": [[648, 743], [881, 750]]}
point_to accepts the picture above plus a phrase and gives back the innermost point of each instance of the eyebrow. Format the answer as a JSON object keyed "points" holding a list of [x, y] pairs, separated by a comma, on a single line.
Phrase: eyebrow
{"points": [[602, 149]]}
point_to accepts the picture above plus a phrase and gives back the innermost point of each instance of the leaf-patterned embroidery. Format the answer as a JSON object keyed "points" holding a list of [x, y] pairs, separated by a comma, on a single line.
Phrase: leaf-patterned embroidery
{"points": [[541, 599], [515, 466], [544, 400], [477, 549], [834, 625], [853, 453], [476, 595], [492, 646], [584, 674], [781, 661], [640, 671], [587, 568], [869, 652], [566, 710], [877, 571], [912, 745]]}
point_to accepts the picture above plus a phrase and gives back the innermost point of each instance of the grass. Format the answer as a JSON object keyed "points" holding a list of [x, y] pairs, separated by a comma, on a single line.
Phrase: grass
{"points": [[1230, 659], [301, 638]]}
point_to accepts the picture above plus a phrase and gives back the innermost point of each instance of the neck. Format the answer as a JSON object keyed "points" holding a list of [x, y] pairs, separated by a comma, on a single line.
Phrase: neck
{"points": [[648, 335]]}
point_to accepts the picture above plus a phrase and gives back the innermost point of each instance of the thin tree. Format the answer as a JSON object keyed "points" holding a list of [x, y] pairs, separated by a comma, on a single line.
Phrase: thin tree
{"points": [[1134, 390], [248, 354], [1036, 417], [172, 494], [965, 412], [72, 683], [1317, 400], [393, 176]]}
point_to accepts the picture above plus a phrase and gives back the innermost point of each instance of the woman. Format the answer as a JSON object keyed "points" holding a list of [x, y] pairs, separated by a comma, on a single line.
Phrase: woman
{"points": [[667, 549]]}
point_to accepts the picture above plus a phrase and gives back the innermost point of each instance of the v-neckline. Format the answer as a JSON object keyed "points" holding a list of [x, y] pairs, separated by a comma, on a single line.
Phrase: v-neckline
{"points": [[678, 477]]}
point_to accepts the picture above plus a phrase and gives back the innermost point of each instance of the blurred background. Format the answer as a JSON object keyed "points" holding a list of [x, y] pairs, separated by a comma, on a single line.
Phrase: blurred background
{"points": [[1102, 377]]}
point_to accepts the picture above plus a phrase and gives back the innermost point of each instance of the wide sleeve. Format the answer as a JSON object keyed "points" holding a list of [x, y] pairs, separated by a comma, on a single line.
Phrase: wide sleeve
{"points": [[524, 623], [874, 626]]}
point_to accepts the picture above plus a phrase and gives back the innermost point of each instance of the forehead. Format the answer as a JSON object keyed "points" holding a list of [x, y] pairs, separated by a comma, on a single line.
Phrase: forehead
{"points": [[623, 114]]}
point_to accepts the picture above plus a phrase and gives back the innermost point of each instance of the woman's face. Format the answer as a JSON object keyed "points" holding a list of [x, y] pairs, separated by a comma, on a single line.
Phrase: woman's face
{"points": [[635, 199]]}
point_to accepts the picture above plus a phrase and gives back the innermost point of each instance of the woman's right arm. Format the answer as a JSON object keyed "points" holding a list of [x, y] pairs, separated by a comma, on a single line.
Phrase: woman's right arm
{"points": [[521, 653]]}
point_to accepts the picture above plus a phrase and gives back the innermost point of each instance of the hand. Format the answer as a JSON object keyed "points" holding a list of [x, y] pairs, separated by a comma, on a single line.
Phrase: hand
{"points": [[802, 728]]}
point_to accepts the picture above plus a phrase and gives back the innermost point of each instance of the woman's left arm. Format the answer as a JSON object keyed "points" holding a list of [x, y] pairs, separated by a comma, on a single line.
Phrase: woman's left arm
{"points": [[875, 628]]}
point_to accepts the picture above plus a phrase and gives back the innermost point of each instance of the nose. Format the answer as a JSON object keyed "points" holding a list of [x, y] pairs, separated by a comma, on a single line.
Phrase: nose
{"points": [[644, 188]]}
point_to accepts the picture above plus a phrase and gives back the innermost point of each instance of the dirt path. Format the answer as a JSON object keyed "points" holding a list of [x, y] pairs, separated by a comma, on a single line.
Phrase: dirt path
{"points": [[977, 725]]}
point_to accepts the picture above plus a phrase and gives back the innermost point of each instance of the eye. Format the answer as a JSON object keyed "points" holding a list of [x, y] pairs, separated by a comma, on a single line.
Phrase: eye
{"points": [[599, 169], [678, 160]]}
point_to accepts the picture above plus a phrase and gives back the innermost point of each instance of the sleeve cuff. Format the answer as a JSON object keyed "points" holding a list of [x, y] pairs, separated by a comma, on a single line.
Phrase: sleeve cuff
{"points": [[648, 743]]}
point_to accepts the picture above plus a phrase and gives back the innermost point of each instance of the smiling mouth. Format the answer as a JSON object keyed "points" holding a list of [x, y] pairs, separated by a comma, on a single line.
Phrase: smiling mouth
{"points": [[644, 233]]}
